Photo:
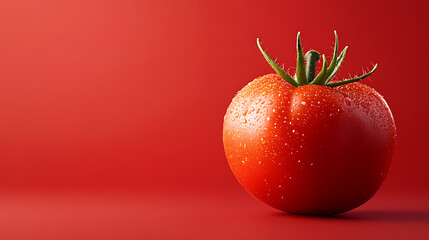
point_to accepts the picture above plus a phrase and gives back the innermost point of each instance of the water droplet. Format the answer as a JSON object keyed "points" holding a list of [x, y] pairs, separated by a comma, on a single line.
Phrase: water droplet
{"points": [[348, 102], [264, 93], [268, 118], [274, 110], [303, 102], [244, 120]]}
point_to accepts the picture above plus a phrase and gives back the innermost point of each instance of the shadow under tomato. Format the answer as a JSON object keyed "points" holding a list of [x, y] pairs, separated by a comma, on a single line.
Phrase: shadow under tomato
{"points": [[313, 217], [390, 215], [369, 215]]}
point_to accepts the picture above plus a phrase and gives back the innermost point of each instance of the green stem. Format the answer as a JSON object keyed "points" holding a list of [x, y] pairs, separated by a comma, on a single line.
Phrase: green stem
{"points": [[311, 58]]}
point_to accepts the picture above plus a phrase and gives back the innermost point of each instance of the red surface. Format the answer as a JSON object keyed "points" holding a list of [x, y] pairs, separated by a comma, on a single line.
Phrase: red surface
{"points": [[199, 215], [129, 96]]}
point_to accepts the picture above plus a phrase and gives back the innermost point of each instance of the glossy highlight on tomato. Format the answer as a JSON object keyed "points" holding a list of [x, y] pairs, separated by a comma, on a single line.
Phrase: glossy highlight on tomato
{"points": [[312, 149]]}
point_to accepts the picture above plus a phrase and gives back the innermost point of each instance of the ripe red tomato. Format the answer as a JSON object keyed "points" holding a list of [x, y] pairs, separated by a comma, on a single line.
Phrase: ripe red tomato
{"points": [[313, 149]]}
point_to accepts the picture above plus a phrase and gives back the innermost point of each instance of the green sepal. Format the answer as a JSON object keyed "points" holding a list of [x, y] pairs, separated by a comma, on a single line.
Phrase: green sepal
{"points": [[301, 77], [319, 80], [336, 84], [333, 64], [282, 73], [339, 61], [305, 73]]}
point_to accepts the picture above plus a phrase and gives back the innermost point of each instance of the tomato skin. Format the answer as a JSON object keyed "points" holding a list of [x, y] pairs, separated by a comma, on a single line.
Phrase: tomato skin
{"points": [[310, 150]]}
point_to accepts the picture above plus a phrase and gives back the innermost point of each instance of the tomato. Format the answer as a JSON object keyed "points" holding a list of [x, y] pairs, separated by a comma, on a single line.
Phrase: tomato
{"points": [[309, 147]]}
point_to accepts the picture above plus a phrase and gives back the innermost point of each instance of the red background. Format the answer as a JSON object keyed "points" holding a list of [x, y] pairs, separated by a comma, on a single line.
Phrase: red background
{"points": [[126, 98]]}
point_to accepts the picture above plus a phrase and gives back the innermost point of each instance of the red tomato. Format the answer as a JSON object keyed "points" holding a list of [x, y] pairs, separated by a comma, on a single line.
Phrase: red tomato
{"points": [[311, 149]]}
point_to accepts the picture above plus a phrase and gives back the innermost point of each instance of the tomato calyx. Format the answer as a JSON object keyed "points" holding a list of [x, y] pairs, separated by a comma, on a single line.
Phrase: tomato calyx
{"points": [[306, 67]]}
